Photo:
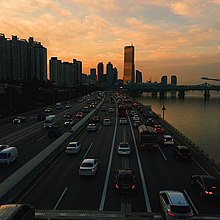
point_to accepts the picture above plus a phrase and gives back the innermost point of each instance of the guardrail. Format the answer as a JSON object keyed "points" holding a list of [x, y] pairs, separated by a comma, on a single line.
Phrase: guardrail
{"points": [[197, 150]]}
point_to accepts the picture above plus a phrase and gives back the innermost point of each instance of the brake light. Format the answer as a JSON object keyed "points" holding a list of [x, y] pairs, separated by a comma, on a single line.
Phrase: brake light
{"points": [[116, 185], [190, 215], [170, 213], [133, 187], [208, 192]]}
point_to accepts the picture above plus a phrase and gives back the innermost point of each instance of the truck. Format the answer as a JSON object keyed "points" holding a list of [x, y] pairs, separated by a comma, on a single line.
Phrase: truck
{"points": [[50, 121]]}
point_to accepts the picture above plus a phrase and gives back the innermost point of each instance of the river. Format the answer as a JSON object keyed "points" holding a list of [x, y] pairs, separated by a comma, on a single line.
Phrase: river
{"points": [[196, 118]]}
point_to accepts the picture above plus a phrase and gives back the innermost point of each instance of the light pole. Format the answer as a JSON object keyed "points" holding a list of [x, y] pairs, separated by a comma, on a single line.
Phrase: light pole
{"points": [[163, 109]]}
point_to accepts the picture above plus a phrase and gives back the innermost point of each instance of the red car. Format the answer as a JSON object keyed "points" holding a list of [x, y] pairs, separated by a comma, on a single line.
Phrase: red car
{"points": [[79, 115], [158, 129]]}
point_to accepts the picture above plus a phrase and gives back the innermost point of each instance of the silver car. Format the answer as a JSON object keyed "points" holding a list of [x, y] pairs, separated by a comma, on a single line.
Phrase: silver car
{"points": [[88, 167], [91, 127], [124, 148], [175, 205], [73, 148]]}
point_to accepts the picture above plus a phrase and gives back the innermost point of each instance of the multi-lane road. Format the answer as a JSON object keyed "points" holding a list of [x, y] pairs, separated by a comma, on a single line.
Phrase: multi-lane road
{"points": [[60, 187]]}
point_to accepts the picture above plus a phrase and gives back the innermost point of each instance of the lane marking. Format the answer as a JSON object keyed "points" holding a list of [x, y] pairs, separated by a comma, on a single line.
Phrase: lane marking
{"points": [[125, 204], [99, 129], [41, 138], [191, 202], [62, 195], [162, 153], [146, 196], [102, 203], [88, 150]]}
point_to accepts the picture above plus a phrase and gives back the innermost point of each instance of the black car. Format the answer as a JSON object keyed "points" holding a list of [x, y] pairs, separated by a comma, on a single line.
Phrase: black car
{"points": [[208, 186], [182, 152], [41, 117], [125, 181], [54, 131], [96, 119]]}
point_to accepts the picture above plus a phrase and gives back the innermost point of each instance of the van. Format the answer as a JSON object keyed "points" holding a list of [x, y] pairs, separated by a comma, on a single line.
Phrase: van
{"points": [[50, 121], [8, 155]]}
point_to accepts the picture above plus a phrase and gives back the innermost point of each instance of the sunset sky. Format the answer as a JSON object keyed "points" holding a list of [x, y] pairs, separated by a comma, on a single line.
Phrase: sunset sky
{"points": [[170, 37]]}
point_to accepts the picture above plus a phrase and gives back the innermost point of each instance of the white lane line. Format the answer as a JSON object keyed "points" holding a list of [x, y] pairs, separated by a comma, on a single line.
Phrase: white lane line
{"points": [[102, 203], [88, 150], [41, 138], [146, 196], [162, 153], [62, 195], [125, 163], [125, 204], [191, 202], [99, 128], [124, 134]]}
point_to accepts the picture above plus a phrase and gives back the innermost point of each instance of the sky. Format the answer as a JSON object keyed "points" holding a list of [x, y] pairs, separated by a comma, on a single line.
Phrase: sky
{"points": [[170, 37]]}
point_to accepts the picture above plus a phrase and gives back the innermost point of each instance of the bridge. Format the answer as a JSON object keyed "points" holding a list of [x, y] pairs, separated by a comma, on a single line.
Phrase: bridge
{"points": [[156, 88]]}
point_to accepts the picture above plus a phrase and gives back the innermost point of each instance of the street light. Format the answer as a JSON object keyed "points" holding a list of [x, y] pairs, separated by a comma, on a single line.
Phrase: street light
{"points": [[163, 109]]}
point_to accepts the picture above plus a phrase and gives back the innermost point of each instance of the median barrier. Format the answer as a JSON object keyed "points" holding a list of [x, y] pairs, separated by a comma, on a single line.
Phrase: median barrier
{"points": [[12, 186]]}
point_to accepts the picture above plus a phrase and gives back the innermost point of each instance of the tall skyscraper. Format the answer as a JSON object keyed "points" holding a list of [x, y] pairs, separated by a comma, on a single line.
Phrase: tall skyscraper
{"points": [[100, 68], [129, 65], [164, 80], [173, 80]]}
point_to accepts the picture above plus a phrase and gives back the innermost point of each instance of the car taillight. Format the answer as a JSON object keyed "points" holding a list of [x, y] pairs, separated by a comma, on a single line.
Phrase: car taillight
{"points": [[133, 186], [116, 185], [208, 192], [170, 213], [190, 215]]}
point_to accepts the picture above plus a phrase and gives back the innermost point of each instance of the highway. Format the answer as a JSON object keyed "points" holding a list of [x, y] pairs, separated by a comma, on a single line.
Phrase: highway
{"points": [[59, 187]]}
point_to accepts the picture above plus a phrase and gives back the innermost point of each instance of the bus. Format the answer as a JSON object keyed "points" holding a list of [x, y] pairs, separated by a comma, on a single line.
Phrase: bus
{"points": [[147, 137], [122, 111], [17, 212]]}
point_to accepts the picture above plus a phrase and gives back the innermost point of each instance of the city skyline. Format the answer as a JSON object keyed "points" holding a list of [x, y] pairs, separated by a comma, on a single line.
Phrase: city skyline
{"points": [[170, 38]]}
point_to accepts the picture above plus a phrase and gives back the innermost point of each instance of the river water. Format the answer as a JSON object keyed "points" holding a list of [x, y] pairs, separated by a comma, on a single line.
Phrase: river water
{"points": [[196, 118]]}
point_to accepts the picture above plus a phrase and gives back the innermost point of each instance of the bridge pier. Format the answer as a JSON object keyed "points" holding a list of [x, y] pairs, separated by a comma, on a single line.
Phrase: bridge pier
{"points": [[206, 94], [173, 94], [181, 94], [163, 95]]}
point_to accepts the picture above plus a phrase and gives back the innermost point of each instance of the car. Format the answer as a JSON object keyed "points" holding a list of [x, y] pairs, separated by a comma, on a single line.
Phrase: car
{"points": [[41, 117], [107, 122], [123, 121], [85, 109], [67, 116], [96, 119], [48, 110], [175, 205], [18, 120], [167, 140], [158, 129], [68, 106], [111, 110], [136, 118], [3, 146], [132, 113], [91, 127], [137, 123], [79, 115], [89, 167], [124, 148], [149, 122], [182, 152], [103, 108], [125, 181], [208, 186], [69, 122], [54, 131], [73, 147]]}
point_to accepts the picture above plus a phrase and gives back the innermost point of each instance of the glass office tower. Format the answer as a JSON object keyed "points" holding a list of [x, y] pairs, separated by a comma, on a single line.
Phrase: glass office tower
{"points": [[128, 65]]}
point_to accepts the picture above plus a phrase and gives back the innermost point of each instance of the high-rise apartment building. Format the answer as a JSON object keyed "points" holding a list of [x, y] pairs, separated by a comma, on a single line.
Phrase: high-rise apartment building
{"points": [[164, 80], [22, 60], [129, 68], [173, 80]]}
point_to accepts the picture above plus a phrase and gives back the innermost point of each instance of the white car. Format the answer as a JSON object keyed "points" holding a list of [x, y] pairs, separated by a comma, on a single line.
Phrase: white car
{"points": [[167, 140], [111, 110], [175, 205], [107, 121], [73, 148], [91, 127], [123, 121], [18, 119], [69, 122], [136, 118], [124, 148], [88, 167]]}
